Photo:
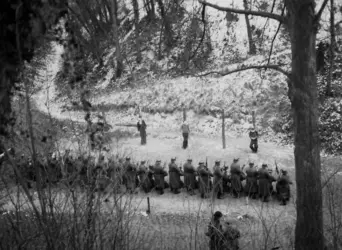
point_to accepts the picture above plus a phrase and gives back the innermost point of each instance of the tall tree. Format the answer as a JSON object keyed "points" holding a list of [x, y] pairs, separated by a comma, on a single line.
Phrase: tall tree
{"points": [[119, 60], [166, 24], [252, 48], [137, 29], [331, 47], [302, 22]]}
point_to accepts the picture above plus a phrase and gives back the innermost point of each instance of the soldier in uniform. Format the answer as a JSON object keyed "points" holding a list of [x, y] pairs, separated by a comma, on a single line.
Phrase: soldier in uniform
{"points": [[159, 175], [251, 188], [175, 173], [231, 237], [141, 125], [146, 184], [218, 180], [189, 177], [215, 232], [283, 188], [236, 173], [253, 135], [130, 175], [272, 179], [204, 175], [264, 183], [150, 175]]}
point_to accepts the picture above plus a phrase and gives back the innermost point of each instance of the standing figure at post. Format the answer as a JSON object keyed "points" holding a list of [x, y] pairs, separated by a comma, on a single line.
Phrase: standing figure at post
{"points": [[185, 131], [141, 125], [253, 135]]}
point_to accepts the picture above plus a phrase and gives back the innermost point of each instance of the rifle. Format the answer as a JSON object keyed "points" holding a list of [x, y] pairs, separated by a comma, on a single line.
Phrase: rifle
{"points": [[206, 162], [276, 169]]}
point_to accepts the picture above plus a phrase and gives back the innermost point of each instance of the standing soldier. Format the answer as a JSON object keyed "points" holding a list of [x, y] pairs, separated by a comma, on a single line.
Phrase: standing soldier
{"points": [[175, 173], [236, 173], [253, 135], [141, 125], [264, 183], [189, 177], [145, 182], [159, 175], [271, 180], [283, 188], [251, 188], [218, 180], [130, 175], [150, 175], [185, 131], [204, 179]]}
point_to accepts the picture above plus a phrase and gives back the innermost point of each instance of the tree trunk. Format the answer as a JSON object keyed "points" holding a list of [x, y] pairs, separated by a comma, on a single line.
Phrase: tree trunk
{"points": [[153, 9], [304, 100], [119, 62], [137, 29], [252, 48], [331, 48], [166, 24]]}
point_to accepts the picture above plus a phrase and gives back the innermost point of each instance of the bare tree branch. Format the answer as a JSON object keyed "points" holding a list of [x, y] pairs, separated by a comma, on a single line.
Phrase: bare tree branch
{"points": [[275, 36], [267, 66], [319, 13], [248, 12]]}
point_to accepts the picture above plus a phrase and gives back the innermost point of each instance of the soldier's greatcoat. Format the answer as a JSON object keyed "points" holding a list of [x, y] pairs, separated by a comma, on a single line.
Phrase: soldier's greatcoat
{"points": [[204, 179], [175, 176], [236, 173], [251, 187], [264, 182], [145, 181], [159, 175], [218, 179], [189, 176]]}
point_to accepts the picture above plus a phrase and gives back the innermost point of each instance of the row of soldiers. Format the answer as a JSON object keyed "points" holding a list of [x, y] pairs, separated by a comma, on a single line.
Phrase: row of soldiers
{"points": [[258, 182], [221, 180]]}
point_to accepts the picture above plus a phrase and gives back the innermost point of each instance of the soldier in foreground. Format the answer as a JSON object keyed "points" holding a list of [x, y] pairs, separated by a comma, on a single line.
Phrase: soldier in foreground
{"points": [[231, 237], [189, 177], [175, 173], [215, 232]]}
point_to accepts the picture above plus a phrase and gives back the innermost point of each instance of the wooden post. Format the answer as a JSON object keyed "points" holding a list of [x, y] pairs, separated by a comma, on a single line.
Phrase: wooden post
{"points": [[148, 206], [223, 131], [184, 114], [253, 117]]}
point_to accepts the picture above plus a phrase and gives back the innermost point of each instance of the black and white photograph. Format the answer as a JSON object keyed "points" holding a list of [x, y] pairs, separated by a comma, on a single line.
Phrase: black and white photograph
{"points": [[171, 124]]}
